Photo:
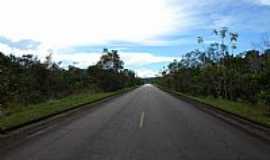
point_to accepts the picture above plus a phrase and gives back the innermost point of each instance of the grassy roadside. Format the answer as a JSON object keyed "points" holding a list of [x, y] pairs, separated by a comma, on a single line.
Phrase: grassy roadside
{"points": [[37, 111], [254, 112]]}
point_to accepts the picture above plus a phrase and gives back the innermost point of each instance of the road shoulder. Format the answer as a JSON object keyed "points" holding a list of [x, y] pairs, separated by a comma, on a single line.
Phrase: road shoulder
{"points": [[251, 127], [22, 133]]}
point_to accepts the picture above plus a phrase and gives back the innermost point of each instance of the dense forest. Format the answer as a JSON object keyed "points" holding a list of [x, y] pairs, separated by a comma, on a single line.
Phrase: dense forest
{"points": [[217, 71], [26, 80]]}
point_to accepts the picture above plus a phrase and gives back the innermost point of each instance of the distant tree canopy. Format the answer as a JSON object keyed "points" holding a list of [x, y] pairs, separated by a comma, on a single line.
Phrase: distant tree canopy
{"points": [[111, 61], [216, 71], [27, 80]]}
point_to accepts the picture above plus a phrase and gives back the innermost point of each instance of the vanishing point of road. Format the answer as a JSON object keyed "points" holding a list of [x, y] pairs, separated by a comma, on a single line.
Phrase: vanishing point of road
{"points": [[144, 124]]}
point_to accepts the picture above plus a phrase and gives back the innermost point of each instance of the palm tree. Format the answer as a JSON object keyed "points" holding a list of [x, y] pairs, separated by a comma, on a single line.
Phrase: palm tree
{"points": [[222, 33], [200, 42], [215, 31], [234, 39], [200, 39]]}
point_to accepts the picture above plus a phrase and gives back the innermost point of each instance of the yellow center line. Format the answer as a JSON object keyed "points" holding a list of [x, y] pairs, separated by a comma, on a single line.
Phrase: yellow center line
{"points": [[141, 120]]}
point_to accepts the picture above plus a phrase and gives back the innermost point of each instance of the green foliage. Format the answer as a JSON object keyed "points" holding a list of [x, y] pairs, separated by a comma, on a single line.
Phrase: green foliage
{"points": [[255, 112], [109, 74], [20, 115], [240, 77], [26, 80], [111, 61]]}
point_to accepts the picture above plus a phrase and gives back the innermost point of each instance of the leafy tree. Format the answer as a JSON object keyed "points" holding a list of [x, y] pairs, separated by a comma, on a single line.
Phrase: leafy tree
{"points": [[26, 80], [111, 61], [200, 41], [244, 76], [233, 39]]}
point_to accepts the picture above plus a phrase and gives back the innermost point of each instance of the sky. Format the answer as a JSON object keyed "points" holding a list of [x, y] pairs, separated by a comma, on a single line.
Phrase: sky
{"points": [[148, 34]]}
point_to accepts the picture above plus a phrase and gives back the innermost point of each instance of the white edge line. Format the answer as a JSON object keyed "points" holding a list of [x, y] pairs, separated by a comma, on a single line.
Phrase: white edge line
{"points": [[141, 120]]}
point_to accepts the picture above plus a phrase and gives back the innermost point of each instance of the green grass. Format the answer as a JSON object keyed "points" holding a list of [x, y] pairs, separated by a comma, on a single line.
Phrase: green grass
{"points": [[33, 112], [255, 112]]}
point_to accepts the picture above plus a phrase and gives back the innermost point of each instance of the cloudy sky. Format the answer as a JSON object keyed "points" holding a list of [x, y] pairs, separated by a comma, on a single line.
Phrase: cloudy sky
{"points": [[148, 33]]}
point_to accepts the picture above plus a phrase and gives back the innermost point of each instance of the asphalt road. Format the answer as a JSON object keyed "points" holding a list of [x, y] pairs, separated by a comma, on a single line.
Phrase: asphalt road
{"points": [[145, 124]]}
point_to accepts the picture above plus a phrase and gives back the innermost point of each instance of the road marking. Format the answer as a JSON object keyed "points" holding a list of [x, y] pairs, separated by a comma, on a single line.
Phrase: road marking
{"points": [[141, 120], [37, 133]]}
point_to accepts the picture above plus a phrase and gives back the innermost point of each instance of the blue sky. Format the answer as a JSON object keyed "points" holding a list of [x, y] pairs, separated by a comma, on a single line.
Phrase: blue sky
{"points": [[148, 33]]}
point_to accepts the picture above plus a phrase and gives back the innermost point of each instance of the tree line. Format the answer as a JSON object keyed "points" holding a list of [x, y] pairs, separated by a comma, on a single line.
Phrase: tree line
{"points": [[216, 70], [26, 80]]}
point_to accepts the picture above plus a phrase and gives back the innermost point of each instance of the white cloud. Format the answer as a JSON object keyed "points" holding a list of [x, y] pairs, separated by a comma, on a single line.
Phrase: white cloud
{"points": [[221, 21], [63, 23], [58, 23], [41, 52], [262, 2], [133, 60], [146, 72], [5, 49], [82, 60]]}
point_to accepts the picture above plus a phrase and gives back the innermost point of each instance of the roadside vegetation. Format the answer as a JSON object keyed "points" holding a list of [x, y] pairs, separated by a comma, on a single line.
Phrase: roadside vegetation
{"points": [[236, 82], [31, 88], [255, 112], [20, 115]]}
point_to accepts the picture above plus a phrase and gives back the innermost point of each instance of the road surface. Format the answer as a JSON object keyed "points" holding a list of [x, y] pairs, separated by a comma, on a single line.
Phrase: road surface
{"points": [[145, 124]]}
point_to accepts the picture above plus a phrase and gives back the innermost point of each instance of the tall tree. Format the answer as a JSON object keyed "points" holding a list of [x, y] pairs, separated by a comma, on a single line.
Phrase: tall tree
{"points": [[200, 41], [222, 33], [111, 61], [234, 38]]}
